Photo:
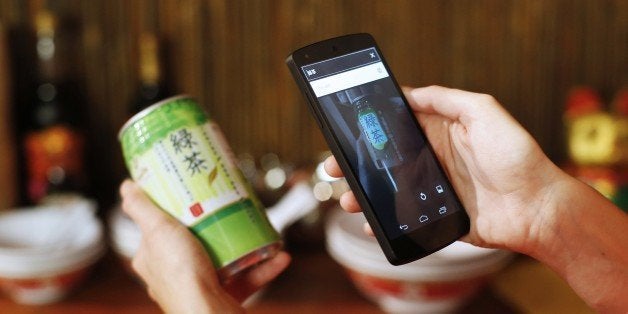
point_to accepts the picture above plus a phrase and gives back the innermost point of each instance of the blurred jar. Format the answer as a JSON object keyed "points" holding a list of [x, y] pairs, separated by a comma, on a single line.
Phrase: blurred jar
{"points": [[7, 146]]}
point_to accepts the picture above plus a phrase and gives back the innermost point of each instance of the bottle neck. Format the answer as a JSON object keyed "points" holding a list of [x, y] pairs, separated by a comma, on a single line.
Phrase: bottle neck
{"points": [[50, 65], [149, 61], [152, 86]]}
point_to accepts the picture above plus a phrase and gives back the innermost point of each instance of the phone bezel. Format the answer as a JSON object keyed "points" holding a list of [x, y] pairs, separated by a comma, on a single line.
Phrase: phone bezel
{"points": [[410, 246]]}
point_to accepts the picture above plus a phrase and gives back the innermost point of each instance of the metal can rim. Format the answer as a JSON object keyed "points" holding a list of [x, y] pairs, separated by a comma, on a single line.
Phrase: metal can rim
{"points": [[144, 112]]}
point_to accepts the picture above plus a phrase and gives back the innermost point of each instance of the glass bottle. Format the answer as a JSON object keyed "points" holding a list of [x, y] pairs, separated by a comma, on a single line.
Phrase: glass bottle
{"points": [[380, 139], [153, 87], [52, 136], [375, 127]]}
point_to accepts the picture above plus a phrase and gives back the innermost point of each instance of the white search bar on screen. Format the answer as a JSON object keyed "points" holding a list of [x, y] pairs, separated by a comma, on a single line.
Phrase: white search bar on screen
{"points": [[344, 80]]}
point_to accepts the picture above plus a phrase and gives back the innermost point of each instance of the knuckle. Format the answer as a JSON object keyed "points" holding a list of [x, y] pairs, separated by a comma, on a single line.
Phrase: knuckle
{"points": [[486, 99]]}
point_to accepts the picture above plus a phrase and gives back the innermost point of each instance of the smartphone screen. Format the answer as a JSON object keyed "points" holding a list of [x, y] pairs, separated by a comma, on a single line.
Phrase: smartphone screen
{"points": [[379, 139]]}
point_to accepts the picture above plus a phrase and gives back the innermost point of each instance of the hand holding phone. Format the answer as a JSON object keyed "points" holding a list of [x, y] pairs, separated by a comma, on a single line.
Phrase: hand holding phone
{"points": [[388, 162]]}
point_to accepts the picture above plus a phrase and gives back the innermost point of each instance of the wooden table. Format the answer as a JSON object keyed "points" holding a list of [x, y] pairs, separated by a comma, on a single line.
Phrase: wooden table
{"points": [[314, 283]]}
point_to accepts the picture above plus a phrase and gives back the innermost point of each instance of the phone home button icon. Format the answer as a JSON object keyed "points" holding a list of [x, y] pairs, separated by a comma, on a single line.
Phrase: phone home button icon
{"points": [[423, 218]]}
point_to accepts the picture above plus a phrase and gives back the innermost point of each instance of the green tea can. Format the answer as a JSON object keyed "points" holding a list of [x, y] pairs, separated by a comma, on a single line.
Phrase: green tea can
{"points": [[181, 159]]}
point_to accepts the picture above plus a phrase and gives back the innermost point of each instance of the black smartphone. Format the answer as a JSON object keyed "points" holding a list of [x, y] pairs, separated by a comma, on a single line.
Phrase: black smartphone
{"points": [[379, 145]]}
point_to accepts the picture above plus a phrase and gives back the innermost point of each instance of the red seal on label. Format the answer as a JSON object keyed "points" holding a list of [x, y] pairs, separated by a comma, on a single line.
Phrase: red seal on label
{"points": [[196, 209]]}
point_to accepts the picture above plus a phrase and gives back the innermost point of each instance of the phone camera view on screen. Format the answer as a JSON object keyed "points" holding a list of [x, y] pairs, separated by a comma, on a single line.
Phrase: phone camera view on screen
{"points": [[381, 141]]}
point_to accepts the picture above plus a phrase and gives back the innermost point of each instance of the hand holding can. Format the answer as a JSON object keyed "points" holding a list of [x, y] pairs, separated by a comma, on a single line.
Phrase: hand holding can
{"points": [[181, 159]]}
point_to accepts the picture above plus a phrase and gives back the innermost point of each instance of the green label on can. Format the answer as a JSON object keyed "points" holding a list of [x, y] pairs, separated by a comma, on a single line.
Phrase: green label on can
{"points": [[181, 159]]}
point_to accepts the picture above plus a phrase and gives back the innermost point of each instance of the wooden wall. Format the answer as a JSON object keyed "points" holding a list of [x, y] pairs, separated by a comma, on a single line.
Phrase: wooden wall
{"points": [[230, 55]]}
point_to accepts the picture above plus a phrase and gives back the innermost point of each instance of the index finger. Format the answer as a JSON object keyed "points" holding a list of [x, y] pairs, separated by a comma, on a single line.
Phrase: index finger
{"points": [[332, 168]]}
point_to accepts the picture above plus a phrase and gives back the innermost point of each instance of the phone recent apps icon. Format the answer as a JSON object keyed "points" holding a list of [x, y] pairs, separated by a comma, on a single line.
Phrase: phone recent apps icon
{"points": [[440, 189]]}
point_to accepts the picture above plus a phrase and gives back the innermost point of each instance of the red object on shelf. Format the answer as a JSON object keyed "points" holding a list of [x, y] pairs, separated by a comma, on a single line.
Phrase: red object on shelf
{"points": [[620, 104], [581, 101]]}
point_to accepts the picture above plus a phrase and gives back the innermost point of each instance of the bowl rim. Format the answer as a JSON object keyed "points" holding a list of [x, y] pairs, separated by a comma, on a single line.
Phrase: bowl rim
{"points": [[48, 269], [366, 257], [28, 263]]}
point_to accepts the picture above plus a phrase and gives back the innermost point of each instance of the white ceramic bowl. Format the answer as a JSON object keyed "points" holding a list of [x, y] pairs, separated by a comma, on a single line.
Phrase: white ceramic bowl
{"points": [[47, 251], [440, 282]]}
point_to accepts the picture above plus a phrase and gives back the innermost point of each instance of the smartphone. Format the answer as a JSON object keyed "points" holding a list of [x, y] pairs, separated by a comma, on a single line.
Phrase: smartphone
{"points": [[385, 156]]}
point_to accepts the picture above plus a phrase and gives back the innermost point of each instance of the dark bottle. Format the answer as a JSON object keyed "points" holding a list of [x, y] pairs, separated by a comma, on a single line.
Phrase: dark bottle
{"points": [[51, 134], [378, 136], [153, 87]]}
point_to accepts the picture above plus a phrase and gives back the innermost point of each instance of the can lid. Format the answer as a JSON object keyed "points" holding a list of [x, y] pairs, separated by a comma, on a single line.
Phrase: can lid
{"points": [[144, 112]]}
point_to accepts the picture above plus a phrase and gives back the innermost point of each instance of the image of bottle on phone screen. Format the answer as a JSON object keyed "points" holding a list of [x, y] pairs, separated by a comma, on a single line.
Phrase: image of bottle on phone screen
{"points": [[371, 119]]}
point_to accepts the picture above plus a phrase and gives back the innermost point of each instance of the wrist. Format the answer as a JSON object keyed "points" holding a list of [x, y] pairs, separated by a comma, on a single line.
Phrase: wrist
{"points": [[579, 235], [543, 227], [529, 215], [570, 204], [207, 303], [214, 299], [201, 297]]}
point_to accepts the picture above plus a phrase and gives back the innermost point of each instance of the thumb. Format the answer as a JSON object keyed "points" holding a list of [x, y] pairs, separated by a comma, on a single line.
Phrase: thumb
{"points": [[141, 209]]}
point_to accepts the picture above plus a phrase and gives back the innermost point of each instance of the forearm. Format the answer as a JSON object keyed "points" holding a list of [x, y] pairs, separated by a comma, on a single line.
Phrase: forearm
{"points": [[585, 243]]}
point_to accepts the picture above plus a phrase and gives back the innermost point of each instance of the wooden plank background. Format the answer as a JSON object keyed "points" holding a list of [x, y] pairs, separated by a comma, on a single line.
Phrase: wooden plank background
{"points": [[230, 55], [8, 188]]}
